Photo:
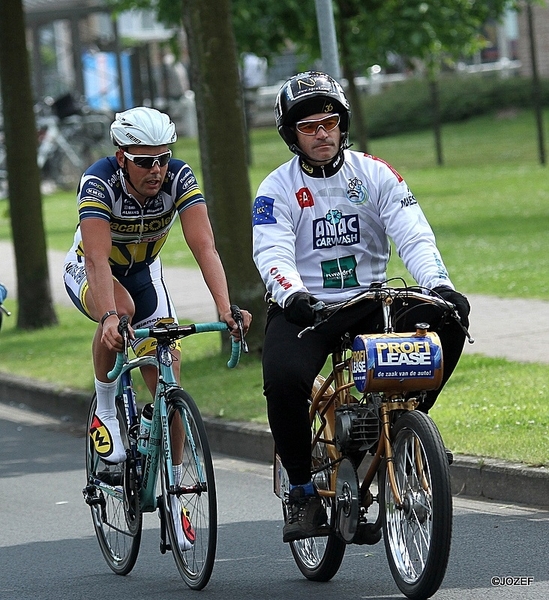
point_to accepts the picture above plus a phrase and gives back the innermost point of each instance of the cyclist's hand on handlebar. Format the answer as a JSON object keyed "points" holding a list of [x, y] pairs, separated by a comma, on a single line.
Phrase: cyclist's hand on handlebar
{"points": [[111, 335], [458, 300], [300, 309], [233, 317]]}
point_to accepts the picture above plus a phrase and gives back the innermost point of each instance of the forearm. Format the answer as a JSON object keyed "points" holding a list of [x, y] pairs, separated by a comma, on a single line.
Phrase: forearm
{"points": [[101, 287], [215, 279]]}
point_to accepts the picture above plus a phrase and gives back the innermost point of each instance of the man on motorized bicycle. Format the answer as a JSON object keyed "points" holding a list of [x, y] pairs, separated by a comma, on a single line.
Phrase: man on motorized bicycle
{"points": [[322, 224]]}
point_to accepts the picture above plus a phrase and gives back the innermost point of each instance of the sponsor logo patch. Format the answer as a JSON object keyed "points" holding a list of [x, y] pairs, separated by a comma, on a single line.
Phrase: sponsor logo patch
{"points": [[305, 198], [101, 438], [262, 213], [335, 229], [356, 192], [340, 273]]}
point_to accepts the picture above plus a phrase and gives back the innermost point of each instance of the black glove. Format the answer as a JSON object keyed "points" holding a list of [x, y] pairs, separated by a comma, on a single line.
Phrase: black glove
{"points": [[298, 309], [459, 300]]}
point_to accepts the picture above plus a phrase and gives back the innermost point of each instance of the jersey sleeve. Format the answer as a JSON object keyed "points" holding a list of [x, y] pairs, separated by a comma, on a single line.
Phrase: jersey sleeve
{"points": [[406, 224], [274, 242], [95, 193], [187, 192]]}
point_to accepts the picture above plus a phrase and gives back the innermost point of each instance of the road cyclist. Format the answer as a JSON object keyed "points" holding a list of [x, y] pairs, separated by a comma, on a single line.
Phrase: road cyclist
{"points": [[127, 204]]}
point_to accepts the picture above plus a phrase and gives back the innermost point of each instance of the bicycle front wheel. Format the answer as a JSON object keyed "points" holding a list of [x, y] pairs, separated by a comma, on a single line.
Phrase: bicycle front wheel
{"points": [[190, 506], [417, 532], [112, 494]]}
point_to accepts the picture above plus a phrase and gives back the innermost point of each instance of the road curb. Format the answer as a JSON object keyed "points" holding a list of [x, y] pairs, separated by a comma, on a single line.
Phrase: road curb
{"points": [[471, 476]]}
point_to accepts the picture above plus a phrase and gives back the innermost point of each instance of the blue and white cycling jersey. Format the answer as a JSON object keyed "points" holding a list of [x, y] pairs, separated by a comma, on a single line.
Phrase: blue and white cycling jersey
{"points": [[138, 232]]}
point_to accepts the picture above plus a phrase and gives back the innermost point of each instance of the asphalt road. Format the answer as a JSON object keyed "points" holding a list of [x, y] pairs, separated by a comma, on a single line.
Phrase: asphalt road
{"points": [[48, 550]]}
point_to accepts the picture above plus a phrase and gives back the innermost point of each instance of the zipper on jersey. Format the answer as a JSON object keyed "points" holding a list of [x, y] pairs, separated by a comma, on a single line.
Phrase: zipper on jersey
{"points": [[140, 236], [325, 178]]}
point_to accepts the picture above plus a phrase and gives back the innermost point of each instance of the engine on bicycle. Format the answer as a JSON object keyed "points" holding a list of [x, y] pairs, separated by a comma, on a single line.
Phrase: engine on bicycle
{"points": [[357, 426]]}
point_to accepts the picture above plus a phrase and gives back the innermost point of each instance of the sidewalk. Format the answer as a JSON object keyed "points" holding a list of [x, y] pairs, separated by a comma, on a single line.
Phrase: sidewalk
{"points": [[512, 329], [508, 328]]}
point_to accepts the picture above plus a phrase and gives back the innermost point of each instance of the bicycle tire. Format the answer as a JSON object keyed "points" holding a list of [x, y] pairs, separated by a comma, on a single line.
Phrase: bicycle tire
{"points": [[418, 536], [116, 513], [64, 172], [196, 564], [319, 558]]}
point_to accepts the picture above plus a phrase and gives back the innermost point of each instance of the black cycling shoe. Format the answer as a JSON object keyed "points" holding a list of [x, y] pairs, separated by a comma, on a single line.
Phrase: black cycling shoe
{"points": [[306, 516], [110, 476]]}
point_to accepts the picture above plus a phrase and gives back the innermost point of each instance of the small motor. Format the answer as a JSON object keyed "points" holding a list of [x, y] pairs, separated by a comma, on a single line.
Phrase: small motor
{"points": [[357, 427]]}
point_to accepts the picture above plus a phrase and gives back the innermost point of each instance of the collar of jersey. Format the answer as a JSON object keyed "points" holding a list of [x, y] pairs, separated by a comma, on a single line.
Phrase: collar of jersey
{"points": [[325, 170]]}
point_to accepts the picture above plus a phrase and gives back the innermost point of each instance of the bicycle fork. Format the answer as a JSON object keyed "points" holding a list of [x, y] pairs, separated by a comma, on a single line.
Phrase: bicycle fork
{"points": [[385, 449]]}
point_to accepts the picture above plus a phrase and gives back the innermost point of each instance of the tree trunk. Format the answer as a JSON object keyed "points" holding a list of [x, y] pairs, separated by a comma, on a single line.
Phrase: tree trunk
{"points": [[35, 306], [536, 84], [435, 108], [222, 135]]}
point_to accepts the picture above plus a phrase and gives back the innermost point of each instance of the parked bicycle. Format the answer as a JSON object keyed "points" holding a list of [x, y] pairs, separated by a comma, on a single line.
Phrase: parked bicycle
{"points": [[379, 432], [70, 137], [168, 442], [3, 309]]}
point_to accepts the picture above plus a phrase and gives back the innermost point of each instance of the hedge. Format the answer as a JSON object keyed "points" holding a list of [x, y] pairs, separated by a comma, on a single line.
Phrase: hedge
{"points": [[406, 106]]}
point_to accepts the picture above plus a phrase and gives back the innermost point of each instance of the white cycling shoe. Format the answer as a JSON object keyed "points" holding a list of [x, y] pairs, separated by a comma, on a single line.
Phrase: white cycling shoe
{"points": [[105, 434], [183, 528]]}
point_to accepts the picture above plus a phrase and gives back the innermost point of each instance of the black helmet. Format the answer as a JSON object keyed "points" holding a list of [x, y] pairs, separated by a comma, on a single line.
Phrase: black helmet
{"points": [[306, 94]]}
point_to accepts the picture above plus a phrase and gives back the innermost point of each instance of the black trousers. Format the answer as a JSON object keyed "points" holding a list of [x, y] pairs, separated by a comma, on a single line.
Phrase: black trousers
{"points": [[290, 365]]}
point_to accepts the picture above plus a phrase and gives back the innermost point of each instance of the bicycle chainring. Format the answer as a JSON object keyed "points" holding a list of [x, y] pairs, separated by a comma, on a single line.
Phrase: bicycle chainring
{"points": [[347, 500]]}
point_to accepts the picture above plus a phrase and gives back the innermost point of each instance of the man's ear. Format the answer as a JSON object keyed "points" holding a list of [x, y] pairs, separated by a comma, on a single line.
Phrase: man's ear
{"points": [[120, 157]]}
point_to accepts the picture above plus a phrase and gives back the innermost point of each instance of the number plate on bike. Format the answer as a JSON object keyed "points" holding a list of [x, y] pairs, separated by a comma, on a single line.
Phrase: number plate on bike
{"points": [[397, 362]]}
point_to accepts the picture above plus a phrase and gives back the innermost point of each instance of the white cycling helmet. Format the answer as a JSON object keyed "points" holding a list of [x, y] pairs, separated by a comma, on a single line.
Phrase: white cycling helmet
{"points": [[142, 126]]}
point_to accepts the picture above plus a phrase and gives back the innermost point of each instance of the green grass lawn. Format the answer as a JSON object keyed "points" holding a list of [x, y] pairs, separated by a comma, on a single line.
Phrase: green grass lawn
{"points": [[490, 211]]}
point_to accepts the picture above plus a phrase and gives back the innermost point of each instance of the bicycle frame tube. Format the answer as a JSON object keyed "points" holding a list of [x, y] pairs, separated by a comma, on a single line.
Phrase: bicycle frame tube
{"points": [[159, 440], [147, 494]]}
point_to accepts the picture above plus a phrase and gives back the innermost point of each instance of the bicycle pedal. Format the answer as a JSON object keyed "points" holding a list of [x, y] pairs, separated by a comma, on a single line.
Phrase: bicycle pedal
{"points": [[323, 530], [367, 534], [90, 497]]}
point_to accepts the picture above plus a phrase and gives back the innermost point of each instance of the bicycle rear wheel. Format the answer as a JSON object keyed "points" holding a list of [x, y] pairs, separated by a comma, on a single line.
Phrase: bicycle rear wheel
{"points": [[191, 507], [113, 497], [319, 558], [418, 533]]}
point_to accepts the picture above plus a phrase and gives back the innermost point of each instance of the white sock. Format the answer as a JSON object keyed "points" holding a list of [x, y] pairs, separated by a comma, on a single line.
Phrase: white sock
{"points": [[184, 542], [177, 473], [105, 430]]}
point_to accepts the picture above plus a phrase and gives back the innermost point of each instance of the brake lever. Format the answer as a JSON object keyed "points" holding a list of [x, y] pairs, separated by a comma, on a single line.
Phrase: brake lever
{"points": [[318, 307], [123, 331], [239, 319], [456, 316]]}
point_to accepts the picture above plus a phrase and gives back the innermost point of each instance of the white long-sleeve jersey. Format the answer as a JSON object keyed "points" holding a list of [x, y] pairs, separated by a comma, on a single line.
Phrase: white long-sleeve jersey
{"points": [[326, 230]]}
